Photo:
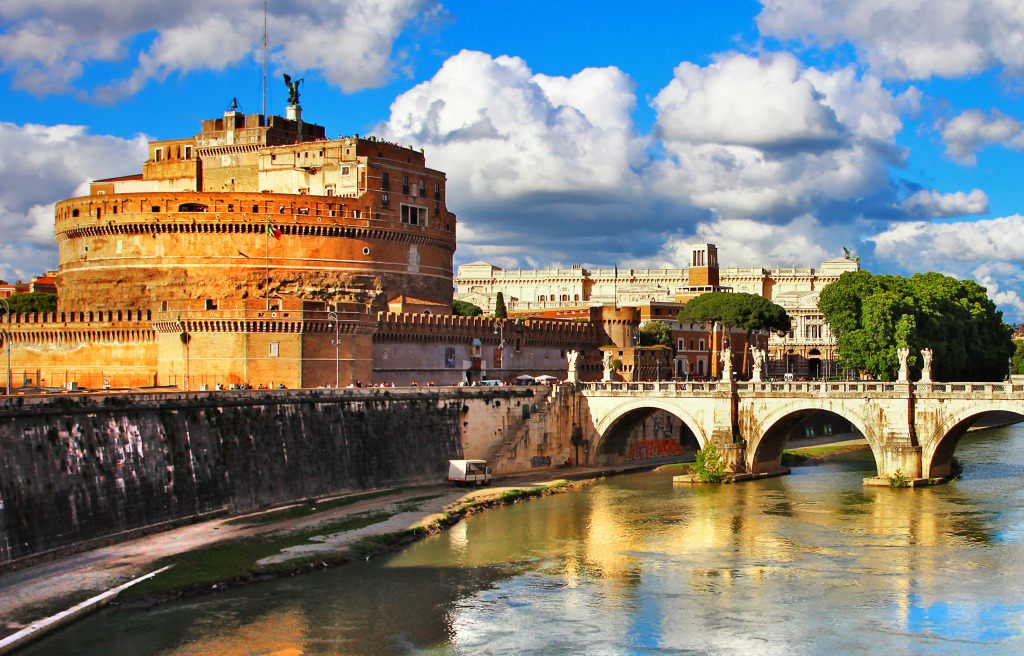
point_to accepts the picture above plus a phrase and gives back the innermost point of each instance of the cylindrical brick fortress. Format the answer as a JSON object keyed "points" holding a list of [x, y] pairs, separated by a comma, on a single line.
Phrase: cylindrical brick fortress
{"points": [[139, 249]]}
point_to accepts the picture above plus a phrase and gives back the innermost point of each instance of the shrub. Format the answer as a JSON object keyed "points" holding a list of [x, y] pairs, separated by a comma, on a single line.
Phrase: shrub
{"points": [[709, 467]]}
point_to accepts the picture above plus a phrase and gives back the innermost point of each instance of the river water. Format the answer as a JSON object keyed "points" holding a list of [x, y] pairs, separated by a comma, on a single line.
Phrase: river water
{"points": [[811, 563]]}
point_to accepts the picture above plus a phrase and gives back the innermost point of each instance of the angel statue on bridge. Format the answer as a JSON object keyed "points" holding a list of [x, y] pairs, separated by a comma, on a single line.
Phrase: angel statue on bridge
{"points": [[726, 357], [903, 354], [758, 357], [926, 370]]}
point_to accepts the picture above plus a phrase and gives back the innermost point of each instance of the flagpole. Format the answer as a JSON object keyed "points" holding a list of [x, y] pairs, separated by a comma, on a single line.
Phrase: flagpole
{"points": [[266, 234]]}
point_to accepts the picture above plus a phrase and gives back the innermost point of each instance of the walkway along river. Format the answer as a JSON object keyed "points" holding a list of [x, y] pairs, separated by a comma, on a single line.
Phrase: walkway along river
{"points": [[805, 564]]}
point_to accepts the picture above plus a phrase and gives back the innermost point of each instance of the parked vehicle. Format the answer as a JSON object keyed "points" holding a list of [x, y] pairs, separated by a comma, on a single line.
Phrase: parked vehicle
{"points": [[469, 472]]}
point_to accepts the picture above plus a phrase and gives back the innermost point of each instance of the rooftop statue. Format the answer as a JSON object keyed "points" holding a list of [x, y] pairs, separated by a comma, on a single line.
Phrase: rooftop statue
{"points": [[293, 89]]}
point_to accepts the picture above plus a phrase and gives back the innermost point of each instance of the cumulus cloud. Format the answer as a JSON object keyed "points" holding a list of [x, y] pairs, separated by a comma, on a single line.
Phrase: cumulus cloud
{"points": [[970, 131], [499, 131], [768, 138], [929, 203], [47, 43], [44, 164], [908, 40], [777, 161]]}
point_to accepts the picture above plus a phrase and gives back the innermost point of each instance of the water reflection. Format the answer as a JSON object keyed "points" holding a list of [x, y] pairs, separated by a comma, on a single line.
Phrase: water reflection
{"points": [[809, 563]]}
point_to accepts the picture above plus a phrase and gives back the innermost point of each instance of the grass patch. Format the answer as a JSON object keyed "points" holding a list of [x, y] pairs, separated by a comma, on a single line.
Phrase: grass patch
{"points": [[676, 465], [309, 508], [804, 454], [235, 561]]}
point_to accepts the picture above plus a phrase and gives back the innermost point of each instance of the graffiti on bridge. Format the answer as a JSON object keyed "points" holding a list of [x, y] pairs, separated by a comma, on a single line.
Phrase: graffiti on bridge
{"points": [[540, 461], [654, 449]]}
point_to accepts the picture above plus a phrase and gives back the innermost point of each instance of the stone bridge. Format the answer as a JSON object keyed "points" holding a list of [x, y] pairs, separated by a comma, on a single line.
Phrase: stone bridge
{"points": [[912, 428]]}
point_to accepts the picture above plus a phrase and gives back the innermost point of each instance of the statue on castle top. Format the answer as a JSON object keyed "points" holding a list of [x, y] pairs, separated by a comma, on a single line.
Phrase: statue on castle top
{"points": [[293, 89], [926, 370], [903, 354]]}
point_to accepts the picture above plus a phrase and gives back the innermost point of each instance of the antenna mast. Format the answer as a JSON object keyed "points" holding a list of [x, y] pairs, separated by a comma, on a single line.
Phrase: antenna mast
{"points": [[264, 61]]}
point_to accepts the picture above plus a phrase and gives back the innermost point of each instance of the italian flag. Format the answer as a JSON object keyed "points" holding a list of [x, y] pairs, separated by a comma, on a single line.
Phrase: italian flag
{"points": [[272, 231]]}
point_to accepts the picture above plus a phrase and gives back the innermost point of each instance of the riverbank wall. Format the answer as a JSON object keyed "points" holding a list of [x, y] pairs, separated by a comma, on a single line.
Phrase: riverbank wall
{"points": [[78, 469]]}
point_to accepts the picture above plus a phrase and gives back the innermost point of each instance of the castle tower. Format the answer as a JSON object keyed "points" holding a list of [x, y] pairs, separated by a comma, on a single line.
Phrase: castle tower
{"points": [[704, 265]]}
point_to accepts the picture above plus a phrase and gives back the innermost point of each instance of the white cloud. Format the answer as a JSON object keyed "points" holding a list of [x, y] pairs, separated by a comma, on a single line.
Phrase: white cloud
{"points": [[928, 204], [919, 245], [765, 137], [48, 43], [972, 130], [40, 166], [744, 242], [908, 40], [500, 132], [746, 101]]}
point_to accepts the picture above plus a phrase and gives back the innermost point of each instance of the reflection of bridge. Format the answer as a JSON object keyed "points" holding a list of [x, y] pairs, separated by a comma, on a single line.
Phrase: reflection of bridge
{"points": [[912, 428]]}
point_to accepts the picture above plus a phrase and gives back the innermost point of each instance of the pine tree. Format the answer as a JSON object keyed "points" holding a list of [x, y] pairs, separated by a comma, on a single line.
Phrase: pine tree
{"points": [[499, 307]]}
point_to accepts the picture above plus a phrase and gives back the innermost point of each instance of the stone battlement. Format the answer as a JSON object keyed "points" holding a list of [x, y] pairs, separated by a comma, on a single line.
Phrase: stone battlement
{"points": [[397, 327]]}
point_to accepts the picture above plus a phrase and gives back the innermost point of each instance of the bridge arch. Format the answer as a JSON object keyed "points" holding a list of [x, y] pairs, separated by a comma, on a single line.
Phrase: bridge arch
{"points": [[766, 439], [615, 417], [937, 448]]}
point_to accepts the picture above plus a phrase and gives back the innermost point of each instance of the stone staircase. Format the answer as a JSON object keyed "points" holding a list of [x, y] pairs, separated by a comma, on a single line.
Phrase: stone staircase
{"points": [[524, 433]]}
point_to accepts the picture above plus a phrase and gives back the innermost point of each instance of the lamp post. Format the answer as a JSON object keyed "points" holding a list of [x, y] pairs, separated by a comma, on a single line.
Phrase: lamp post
{"points": [[333, 316], [7, 338]]}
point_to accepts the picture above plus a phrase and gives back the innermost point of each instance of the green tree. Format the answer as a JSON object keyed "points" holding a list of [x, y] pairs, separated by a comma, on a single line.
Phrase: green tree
{"points": [[499, 307], [32, 302], [1017, 368], [750, 312], [466, 309], [871, 316], [654, 333]]}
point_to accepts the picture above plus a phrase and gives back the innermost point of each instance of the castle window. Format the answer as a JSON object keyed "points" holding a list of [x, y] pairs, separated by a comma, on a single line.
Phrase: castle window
{"points": [[159, 155], [414, 215], [155, 208], [304, 191], [329, 190], [211, 304], [355, 214], [99, 212], [275, 349], [255, 209], [188, 152], [344, 170], [385, 181], [115, 209], [437, 190], [701, 345], [437, 209], [405, 184], [423, 188], [74, 212], [231, 208], [384, 202]]}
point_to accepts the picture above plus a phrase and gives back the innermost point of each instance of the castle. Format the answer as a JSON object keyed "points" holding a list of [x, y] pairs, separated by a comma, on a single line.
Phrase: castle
{"points": [[254, 252]]}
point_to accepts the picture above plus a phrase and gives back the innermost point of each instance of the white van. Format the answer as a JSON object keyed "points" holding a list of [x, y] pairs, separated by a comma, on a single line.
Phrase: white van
{"points": [[469, 472], [490, 383]]}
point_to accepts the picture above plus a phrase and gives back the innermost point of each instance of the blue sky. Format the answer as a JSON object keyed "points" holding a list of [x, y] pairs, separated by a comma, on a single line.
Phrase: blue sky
{"points": [[591, 133]]}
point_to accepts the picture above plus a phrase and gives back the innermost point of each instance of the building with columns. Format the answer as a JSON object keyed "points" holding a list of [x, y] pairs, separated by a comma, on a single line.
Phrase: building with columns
{"points": [[808, 351]]}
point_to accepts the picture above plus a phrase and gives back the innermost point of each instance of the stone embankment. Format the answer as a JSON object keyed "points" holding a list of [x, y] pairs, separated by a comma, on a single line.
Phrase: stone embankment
{"points": [[82, 469]]}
